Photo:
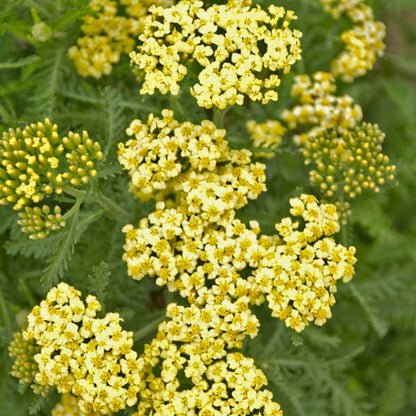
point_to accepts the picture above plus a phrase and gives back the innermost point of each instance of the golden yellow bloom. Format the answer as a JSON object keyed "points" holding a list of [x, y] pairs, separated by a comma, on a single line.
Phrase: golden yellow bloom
{"points": [[196, 374], [226, 42], [191, 163], [319, 108], [298, 276], [109, 35], [82, 355], [363, 43], [266, 135]]}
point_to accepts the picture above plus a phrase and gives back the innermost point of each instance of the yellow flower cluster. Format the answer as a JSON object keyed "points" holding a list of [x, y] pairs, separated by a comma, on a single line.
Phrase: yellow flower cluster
{"points": [[319, 108], [266, 135], [25, 367], [109, 35], [68, 406], [193, 243], [363, 43], [36, 161], [350, 162], [198, 246], [298, 275], [90, 358], [239, 51], [196, 375], [40, 221], [193, 162]]}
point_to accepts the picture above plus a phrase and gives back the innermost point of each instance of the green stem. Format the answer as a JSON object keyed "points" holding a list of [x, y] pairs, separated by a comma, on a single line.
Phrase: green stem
{"points": [[99, 198], [5, 312], [219, 117], [148, 329], [111, 206], [74, 208]]}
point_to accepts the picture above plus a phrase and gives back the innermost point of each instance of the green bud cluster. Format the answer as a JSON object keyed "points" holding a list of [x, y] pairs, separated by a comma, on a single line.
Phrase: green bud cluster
{"points": [[349, 162], [36, 161], [40, 221], [25, 367]]}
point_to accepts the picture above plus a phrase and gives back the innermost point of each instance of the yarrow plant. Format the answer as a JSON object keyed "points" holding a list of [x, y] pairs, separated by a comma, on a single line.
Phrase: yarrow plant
{"points": [[214, 264]]}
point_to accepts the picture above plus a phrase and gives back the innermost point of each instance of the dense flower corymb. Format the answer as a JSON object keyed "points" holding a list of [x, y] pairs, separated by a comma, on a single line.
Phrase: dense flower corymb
{"points": [[109, 34], [239, 51], [298, 275], [363, 43], [188, 371], [190, 163], [82, 355]]}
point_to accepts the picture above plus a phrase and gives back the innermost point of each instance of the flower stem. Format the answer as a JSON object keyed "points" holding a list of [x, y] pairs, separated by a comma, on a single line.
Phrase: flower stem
{"points": [[111, 206], [99, 198]]}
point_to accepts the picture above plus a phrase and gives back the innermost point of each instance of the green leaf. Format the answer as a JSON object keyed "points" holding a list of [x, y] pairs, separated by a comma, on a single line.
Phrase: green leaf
{"points": [[33, 248], [58, 263], [109, 170], [21, 62], [98, 280], [393, 397]]}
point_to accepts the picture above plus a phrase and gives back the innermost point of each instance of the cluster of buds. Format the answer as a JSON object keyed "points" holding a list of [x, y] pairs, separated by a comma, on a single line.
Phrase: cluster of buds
{"points": [[36, 162], [25, 367], [40, 221], [225, 42], [349, 162]]}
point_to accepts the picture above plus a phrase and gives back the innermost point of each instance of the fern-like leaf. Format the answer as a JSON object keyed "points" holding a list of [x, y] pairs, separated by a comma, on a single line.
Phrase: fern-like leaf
{"points": [[58, 263], [98, 280]]}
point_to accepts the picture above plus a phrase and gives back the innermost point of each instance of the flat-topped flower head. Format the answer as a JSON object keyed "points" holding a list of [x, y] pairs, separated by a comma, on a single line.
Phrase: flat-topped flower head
{"points": [[192, 163], [237, 51], [188, 371], [87, 357], [109, 33], [364, 42], [35, 162], [298, 277], [319, 108]]}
